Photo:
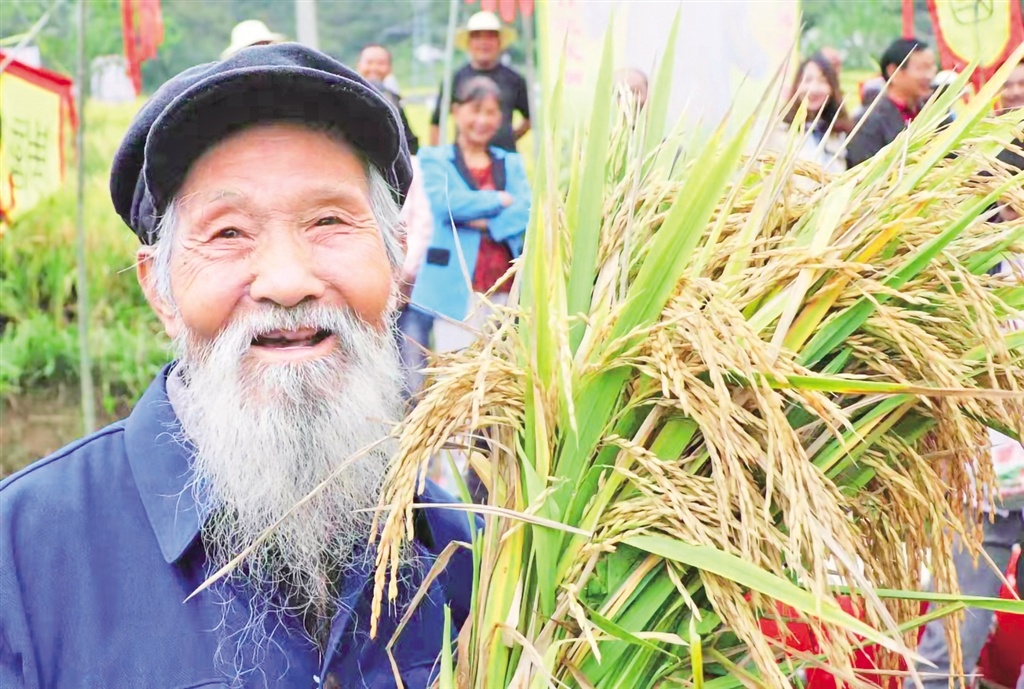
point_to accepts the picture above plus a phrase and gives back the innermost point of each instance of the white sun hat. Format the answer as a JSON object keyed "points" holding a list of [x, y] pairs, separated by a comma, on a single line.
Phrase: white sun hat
{"points": [[485, 21], [250, 32]]}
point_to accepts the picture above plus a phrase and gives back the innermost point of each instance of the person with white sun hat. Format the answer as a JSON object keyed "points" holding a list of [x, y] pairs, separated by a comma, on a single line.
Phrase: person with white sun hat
{"points": [[249, 33], [485, 38]]}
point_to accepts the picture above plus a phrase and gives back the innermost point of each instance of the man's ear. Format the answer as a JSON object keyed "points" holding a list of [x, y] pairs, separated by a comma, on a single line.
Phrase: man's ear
{"points": [[145, 271]]}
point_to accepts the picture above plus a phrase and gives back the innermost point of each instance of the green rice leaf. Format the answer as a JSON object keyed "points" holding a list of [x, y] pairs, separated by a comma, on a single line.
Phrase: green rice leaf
{"points": [[775, 587], [1013, 607], [591, 198], [657, 102], [446, 679]]}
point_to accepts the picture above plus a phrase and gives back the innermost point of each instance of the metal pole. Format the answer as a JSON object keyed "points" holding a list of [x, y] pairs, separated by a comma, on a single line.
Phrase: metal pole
{"points": [[531, 81], [446, 88], [419, 38], [84, 361], [305, 23]]}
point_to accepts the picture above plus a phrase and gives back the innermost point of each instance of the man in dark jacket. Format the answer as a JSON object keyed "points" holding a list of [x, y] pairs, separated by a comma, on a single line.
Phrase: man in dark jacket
{"points": [[909, 67], [485, 39]]}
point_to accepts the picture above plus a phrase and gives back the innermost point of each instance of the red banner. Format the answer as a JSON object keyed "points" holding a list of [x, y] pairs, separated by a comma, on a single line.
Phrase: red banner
{"points": [[142, 26], [506, 8], [908, 18], [985, 31]]}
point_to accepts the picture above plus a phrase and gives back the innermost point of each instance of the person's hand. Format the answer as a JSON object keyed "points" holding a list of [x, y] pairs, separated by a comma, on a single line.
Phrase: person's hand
{"points": [[478, 224], [506, 198]]}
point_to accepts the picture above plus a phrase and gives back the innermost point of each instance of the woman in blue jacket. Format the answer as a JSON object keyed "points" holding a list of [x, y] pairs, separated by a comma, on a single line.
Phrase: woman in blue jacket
{"points": [[480, 199]]}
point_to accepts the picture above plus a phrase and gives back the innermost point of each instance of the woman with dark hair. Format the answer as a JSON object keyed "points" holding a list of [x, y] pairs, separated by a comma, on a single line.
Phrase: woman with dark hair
{"points": [[816, 87], [480, 199]]}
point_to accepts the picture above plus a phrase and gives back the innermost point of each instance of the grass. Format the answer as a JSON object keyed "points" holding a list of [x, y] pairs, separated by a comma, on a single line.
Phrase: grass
{"points": [[38, 296]]}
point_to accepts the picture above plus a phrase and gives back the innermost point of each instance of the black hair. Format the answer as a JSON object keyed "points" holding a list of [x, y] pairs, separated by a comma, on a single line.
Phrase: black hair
{"points": [[899, 52], [476, 89]]}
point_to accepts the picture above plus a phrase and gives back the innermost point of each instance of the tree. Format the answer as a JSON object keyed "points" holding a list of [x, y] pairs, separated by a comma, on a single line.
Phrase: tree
{"points": [[56, 41], [860, 30]]}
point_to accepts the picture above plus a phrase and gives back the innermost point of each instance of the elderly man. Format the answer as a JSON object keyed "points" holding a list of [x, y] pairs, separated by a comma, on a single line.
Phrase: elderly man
{"points": [[265, 191], [485, 38]]}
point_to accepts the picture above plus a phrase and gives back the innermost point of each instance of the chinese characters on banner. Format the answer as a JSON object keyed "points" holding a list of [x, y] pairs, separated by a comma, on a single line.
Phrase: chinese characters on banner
{"points": [[35, 107], [982, 30]]}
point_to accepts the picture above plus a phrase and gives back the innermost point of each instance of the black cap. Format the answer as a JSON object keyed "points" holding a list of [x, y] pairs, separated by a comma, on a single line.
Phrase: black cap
{"points": [[203, 104]]}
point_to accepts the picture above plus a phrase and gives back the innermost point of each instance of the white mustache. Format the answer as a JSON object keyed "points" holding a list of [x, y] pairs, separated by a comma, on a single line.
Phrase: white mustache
{"points": [[237, 337]]}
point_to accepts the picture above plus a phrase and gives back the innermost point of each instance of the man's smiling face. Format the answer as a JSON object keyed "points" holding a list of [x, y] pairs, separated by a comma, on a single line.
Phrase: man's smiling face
{"points": [[277, 214], [273, 276]]}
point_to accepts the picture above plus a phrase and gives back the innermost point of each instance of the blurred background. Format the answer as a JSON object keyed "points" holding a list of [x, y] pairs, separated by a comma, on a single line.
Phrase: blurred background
{"points": [[722, 45]]}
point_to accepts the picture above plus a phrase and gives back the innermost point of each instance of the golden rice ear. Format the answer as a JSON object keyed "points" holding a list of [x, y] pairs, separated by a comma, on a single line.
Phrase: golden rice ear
{"points": [[730, 388]]}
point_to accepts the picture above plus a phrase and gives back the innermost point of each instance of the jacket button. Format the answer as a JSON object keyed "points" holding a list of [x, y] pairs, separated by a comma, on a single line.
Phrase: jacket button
{"points": [[331, 681]]}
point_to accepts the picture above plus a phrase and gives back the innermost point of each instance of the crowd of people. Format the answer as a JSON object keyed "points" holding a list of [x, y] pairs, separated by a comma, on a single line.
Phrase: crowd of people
{"points": [[467, 210], [271, 193]]}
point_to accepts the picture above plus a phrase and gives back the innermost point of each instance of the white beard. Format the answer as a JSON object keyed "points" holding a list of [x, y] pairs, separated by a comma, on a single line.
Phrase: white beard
{"points": [[266, 435]]}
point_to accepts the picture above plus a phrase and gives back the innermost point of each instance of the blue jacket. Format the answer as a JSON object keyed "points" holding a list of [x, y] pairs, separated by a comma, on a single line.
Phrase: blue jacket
{"points": [[99, 547], [441, 285]]}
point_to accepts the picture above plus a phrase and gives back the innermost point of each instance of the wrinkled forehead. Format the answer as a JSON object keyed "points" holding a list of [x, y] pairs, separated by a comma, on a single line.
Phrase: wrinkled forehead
{"points": [[317, 194], [282, 165], [280, 137]]}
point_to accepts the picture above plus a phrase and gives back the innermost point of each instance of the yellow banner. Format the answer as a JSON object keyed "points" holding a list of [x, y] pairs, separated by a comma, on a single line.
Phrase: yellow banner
{"points": [[975, 30], [30, 144]]}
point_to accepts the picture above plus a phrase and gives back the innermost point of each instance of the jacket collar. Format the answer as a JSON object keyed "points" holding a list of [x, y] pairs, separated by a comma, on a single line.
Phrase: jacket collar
{"points": [[907, 110], [497, 167], [160, 464]]}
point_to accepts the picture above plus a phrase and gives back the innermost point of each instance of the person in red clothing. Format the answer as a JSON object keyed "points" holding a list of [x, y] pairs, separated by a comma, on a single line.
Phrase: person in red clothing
{"points": [[481, 192]]}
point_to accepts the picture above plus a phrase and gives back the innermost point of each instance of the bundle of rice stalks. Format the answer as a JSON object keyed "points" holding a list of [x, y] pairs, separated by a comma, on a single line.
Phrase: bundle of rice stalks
{"points": [[727, 383]]}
